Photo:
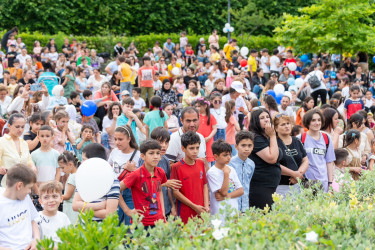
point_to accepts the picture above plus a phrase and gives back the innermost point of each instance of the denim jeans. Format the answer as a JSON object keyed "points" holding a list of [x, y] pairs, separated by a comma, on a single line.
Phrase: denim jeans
{"points": [[202, 79], [122, 217], [105, 140], [257, 90], [220, 134], [126, 86]]}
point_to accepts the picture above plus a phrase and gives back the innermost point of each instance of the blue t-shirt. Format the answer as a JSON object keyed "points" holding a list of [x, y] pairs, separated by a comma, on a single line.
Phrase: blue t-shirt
{"points": [[123, 120]]}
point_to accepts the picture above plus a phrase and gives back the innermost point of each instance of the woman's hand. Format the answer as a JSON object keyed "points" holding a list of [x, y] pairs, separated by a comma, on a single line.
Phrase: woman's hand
{"points": [[270, 130]]}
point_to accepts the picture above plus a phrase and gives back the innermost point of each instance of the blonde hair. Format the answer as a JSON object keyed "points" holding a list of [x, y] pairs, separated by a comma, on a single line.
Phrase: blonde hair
{"points": [[50, 187]]}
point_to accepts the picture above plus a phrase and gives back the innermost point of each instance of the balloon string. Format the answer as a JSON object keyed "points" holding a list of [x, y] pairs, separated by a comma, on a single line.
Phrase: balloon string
{"points": [[80, 213]]}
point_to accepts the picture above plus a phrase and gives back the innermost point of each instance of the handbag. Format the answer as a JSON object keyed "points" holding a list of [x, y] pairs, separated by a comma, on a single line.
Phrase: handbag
{"points": [[314, 81], [125, 172]]}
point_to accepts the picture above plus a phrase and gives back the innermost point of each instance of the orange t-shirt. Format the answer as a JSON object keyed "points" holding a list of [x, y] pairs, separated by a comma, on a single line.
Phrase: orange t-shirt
{"points": [[206, 130], [18, 74], [230, 131], [299, 119], [146, 75]]}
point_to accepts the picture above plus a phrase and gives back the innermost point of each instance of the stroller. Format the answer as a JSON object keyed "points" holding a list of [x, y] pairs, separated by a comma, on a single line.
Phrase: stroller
{"points": [[50, 80]]}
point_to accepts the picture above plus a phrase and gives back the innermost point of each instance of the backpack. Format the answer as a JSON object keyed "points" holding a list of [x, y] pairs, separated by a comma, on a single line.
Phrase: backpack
{"points": [[325, 136], [314, 81]]}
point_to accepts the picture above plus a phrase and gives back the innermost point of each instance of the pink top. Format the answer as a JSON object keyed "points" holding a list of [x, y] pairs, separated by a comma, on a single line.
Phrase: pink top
{"points": [[230, 131], [98, 95]]}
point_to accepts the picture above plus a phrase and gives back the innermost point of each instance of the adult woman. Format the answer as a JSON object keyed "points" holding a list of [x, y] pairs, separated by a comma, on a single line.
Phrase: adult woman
{"points": [[360, 78], [213, 39], [104, 97], [319, 148], [349, 67], [294, 162], [270, 104], [5, 101], [266, 156], [109, 125], [331, 120], [162, 68], [13, 149], [187, 98], [61, 64], [285, 75], [168, 96], [190, 76], [341, 74], [57, 98], [68, 83], [115, 82], [27, 78], [157, 48], [307, 104], [217, 71], [258, 81], [362, 60], [96, 80], [366, 126], [81, 81], [203, 54]]}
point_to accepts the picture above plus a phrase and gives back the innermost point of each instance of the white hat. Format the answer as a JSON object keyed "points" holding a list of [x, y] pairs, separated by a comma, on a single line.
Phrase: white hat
{"points": [[238, 86], [125, 92]]}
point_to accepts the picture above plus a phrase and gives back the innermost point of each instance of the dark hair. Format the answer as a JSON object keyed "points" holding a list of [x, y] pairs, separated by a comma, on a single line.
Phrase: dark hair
{"points": [[121, 58], [87, 126], [138, 90], [190, 138], [307, 118], [35, 117], [364, 114], [350, 136], [86, 93], [73, 95], [289, 51], [46, 128], [202, 102], [220, 146], [328, 114], [67, 157], [228, 109], [275, 52], [20, 173], [244, 135], [94, 150], [110, 113], [296, 130], [128, 101], [304, 104], [341, 155], [45, 114], [189, 110], [325, 106], [14, 117], [149, 144], [156, 102], [146, 58], [160, 134], [357, 119], [255, 122], [271, 102], [194, 91], [354, 88], [126, 130], [70, 68]]}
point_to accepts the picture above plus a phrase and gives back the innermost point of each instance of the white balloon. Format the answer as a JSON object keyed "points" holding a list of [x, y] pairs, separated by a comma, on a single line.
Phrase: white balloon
{"points": [[225, 30], [176, 71], [298, 83], [288, 94], [244, 51], [292, 66], [94, 179], [294, 88], [227, 25], [279, 88], [231, 29]]}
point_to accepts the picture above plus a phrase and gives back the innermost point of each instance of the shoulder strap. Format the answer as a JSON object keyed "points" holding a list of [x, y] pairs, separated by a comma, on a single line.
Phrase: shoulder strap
{"points": [[326, 139], [131, 157], [303, 138]]}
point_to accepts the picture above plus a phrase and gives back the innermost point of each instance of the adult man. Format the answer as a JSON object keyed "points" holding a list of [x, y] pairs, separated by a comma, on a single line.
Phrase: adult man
{"points": [[6, 36], [112, 67], [284, 107], [95, 60], [235, 91], [190, 122], [168, 48], [275, 62], [118, 49], [23, 57], [65, 47]]}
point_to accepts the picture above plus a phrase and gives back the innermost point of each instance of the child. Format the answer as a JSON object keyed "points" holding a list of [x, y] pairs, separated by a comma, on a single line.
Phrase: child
{"points": [[12, 85], [189, 54], [75, 100], [141, 117], [371, 158], [124, 157], [243, 165], [157, 83], [36, 121], [230, 73], [139, 103], [354, 103], [61, 132], [18, 228], [232, 124], [209, 84], [145, 184], [157, 117], [352, 142], [45, 158], [16, 70], [11, 56], [90, 121], [207, 125], [180, 87], [339, 170], [87, 95], [192, 197], [223, 181], [68, 164], [50, 220], [297, 130], [87, 137], [172, 121], [369, 101], [219, 113]]}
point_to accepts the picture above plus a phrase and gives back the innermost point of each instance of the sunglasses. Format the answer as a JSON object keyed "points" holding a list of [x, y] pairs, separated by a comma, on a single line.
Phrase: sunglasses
{"points": [[281, 115], [218, 102]]}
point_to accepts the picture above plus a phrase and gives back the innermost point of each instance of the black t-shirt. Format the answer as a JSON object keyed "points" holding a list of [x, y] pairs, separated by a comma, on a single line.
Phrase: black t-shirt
{"points": [[29, 136], [187, 80], [295, 150], [65, 47], [11, 59], [265, 174], [22, 80]]}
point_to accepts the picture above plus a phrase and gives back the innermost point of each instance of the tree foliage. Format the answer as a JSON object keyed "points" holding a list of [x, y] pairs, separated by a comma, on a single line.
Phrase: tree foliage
{"points": [[335, 26]]}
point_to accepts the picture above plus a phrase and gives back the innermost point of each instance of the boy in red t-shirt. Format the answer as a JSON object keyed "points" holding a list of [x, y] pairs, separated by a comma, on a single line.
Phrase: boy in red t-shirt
{"points": [[192, 197], [189, 54], [146, 186], [146, 79]]}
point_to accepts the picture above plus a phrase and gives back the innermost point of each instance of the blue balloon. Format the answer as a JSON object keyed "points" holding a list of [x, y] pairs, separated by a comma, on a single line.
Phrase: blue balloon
{"points": [[88, 108], [304, 58], [291, 81], [271, 92], [373, 59], [279, 97]]}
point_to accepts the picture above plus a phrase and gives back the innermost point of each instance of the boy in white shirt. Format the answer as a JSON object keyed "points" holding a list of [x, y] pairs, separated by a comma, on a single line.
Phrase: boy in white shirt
{"points": [[139, 103], [225, 187], [18, 229], [157, 83], [50, 219]]}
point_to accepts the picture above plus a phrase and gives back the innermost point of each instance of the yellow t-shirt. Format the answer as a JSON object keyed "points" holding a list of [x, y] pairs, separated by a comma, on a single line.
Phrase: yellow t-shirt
{"points": [[126, 72], [227, 51], [252, 61], [11, 88], [170, 67], [215, 57]]}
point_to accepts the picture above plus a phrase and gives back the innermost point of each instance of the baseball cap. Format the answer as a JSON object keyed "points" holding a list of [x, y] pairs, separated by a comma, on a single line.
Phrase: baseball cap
{"points": [[125, 92], [238, 86]]}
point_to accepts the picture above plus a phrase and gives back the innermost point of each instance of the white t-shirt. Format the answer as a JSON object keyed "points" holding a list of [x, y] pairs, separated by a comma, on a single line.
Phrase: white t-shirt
{"points": [[4, 105], [23, 59], [215, 178], [118, 159], [46, 164], [48, 226], [183, 41], [345, 92], [219, 115], [209, 85], [274, 60], [174, 151], [15, 222], [263, 65], [320, 76], [53, 56], [157, 85], [139, 104], [96, 85]]}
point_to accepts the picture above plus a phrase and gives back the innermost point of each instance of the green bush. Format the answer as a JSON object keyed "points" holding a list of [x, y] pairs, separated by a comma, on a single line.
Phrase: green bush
{"points": [[143, 42], [344, 220]]}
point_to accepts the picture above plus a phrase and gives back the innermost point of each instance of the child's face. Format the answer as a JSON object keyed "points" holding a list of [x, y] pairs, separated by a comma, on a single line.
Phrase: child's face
{"points": [[164, 146], [191, 151], [122, 141], [168, 110], [368, 95], [50, 201], [216, 102], [152, 157], [201, 108], [63, 122], [245, 147], [23, 190], [88, 97], [16, 65], [66, 167], [355, 94], [135, 93], [87, 133], [76, 99], [127, 107], [35, 126], [220, 85], [223, 158], [45, 137]]}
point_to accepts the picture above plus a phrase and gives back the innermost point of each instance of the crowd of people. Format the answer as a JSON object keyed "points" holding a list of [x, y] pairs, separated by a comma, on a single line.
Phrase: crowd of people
{"points": [[187, 129]]}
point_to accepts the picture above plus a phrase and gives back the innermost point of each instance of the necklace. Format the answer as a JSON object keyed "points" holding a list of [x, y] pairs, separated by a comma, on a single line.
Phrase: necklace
{"points": [[217, 112]]}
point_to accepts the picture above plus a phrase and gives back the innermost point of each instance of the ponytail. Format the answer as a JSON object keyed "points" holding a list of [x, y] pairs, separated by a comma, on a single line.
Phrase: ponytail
{"points": [[156, 102], [202, 102]]}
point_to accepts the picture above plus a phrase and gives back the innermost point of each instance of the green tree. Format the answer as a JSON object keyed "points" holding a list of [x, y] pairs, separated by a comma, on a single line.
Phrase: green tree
{"points": [[335, 26]]}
